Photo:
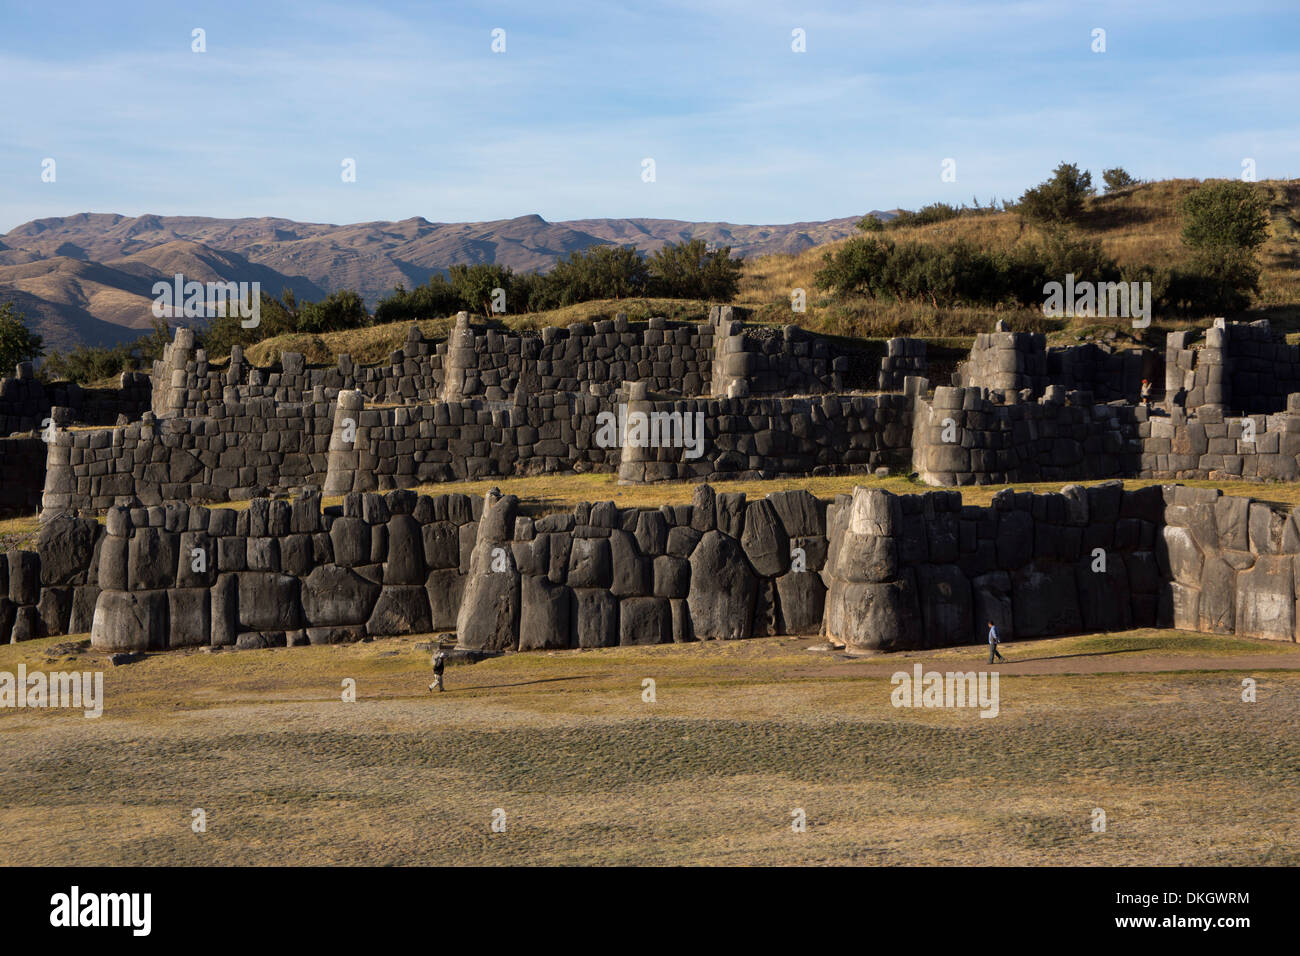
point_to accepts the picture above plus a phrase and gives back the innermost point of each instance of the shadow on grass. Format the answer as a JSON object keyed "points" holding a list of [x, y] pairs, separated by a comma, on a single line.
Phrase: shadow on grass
{"points": [[1066, 657]]}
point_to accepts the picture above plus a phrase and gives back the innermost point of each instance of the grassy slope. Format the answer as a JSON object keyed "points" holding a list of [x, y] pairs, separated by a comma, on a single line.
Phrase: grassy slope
{"points": [[1147, 725]]}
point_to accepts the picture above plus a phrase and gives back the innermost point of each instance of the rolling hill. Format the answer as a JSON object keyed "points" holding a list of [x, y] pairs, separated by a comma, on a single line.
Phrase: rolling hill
{"points": [[86, 279]]}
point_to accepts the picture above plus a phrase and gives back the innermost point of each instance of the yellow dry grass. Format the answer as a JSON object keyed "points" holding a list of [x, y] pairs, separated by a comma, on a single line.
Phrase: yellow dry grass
{"points": [[1147, 725]]}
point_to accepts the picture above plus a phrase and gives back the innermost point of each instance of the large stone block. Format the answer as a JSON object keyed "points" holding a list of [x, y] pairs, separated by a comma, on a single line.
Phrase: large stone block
{"points": [[24, 576], [189, 613], [722, 591], [801, 598], [595, 618], [151, 559], [1266, 599], [66, 546], [400, 609], [489, 611], [544, 614], [645, 620], [876, 615], [268, 601], [764, 540], [1045, 600], [404, 562], [130, 621], [334, 596], [944, 595], [445, 587]]}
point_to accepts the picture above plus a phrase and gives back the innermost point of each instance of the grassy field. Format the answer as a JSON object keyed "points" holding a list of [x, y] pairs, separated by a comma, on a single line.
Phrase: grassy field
{"points": [[1146, 725]]}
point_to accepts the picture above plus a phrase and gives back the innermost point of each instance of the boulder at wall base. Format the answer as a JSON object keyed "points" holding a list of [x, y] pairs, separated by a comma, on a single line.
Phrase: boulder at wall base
{"points": [[334, 596], [268, 601], [489, 611], [400, 609], [645, 620], [876, 615], [130, 621], [544, 614], [446, 588], [595, 618], [801, 599], [1045, 600], [723, 589]]}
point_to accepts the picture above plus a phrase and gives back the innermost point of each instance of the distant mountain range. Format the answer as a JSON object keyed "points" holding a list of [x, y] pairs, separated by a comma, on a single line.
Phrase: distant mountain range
{"points": [[88, 278]]}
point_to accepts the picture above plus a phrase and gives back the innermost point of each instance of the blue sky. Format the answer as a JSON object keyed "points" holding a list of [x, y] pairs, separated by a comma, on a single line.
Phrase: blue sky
{"points": [[740, 127]]}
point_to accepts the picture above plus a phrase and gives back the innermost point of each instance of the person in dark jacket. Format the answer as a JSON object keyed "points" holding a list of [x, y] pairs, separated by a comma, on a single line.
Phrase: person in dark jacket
{"points": [[994, 641], [439, 662]]}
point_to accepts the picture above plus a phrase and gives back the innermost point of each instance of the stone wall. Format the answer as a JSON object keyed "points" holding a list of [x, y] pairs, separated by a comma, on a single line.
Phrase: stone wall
{"points": [[925, 571], [873, 569], [904, 358], [487, 364], [1016, 361], [1244, 367], [285, 573], [1209, 446], [26, 402], [241, 450], [963, 438]]}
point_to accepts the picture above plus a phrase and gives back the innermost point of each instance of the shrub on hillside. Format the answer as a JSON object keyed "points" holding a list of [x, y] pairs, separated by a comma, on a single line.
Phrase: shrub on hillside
{"points": [[688, 270], [1224, 216], [1117, 178], [1059, 199]]}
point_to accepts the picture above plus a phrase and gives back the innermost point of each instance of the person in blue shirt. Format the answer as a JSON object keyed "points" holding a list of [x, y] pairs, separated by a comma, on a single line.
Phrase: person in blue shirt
{"points": [[994, 641]]}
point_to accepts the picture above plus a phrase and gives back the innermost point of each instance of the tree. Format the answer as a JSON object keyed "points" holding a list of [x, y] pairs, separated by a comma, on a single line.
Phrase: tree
{"points": [[599, 272], [1059, 199], [339, 310], [870, 224], [17, 342], [688, 270], [1117, 179], [1224, 216], [474, 284]]}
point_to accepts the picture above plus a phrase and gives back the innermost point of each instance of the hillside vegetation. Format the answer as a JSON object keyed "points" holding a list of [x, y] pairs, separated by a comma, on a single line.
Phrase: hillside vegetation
{"points": [[1137, 226]]}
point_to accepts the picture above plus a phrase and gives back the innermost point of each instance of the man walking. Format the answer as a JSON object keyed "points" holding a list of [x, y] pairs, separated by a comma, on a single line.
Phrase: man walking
{"points": [[439, 662], [994, 641]]}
